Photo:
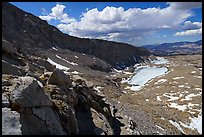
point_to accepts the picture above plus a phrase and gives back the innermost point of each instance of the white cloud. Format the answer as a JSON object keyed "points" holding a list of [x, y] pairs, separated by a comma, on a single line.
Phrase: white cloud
{"points": [[58, 14], [188, 25], [189, 32], [116, 23], [190, 28], [47, 18]]}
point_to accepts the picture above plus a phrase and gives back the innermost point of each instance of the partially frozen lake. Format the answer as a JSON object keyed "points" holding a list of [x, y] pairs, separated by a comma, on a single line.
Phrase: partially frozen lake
{"points": [[144, 75], [160, 60]]}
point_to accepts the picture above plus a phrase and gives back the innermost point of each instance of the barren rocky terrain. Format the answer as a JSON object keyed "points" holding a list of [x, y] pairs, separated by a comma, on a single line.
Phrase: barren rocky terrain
{"points": [[167, 103], [56, 84]]}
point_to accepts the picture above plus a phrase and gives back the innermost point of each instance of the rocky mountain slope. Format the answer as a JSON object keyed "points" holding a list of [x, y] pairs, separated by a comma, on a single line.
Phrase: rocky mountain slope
{"points": [[176, 48], [50, 80], [29, 34]]}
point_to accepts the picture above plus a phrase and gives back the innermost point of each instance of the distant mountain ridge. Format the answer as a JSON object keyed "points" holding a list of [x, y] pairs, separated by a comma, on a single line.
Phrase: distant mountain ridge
{"points": [[30, 34], [183, 47]]}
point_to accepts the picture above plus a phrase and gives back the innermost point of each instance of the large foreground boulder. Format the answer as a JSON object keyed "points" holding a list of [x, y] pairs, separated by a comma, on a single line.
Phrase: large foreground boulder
{"points": [[26, 92], [58, 77], [41, 121], [37, 114]]}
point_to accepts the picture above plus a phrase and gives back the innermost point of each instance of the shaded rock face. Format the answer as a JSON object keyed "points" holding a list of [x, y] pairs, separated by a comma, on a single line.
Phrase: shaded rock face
{"points": [[45, 64], [30, 33], [11, 69], [41, 121], [8, 48]]}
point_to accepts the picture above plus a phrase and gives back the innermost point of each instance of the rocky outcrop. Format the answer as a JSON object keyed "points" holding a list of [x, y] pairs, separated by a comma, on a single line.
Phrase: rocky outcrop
{"points": [[59, 78], [55, 108], [37, 115], [26, 92], [29, 33]]}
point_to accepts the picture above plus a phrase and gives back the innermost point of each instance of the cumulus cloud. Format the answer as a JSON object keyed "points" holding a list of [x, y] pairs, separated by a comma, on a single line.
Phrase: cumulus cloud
{"points": [[188, 25], [58, 14], [190, 28], [189, 32], [116, 23]]}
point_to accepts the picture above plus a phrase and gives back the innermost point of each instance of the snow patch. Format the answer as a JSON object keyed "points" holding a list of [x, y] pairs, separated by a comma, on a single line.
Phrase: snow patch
{"points": [[181, 86], [193, 72], [171, 97], [189, 97], [98, 88], [40, 84], [174, 123], [75, 72], [118, 71], [54, 48], [162, 118], [179, 107], [177, 78], [128, 73], [72, 63], [158, 98], [160, 127], [197, 76], [160, 81], [175, 82], [198, 88], [57, 65], [158, 87]]}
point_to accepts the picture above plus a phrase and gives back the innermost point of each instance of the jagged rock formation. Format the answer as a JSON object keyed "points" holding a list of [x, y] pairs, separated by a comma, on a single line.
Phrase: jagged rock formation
{"points": [[29, 33], [52, 109]]}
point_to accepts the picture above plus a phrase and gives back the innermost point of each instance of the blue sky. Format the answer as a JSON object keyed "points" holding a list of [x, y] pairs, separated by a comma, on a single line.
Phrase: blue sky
{"points": [[136, 23]]}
